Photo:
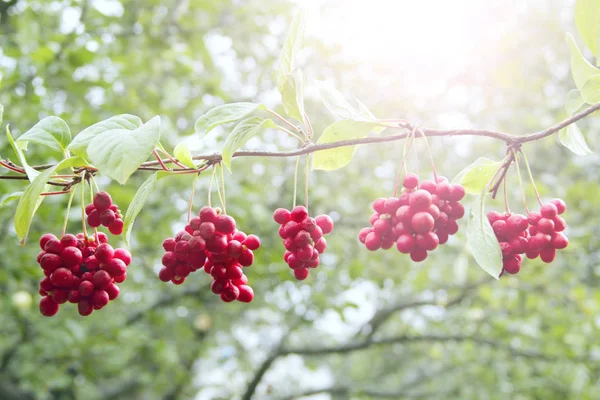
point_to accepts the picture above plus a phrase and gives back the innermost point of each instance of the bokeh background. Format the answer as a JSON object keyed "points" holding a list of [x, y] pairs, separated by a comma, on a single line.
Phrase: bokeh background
{"points": [[363, 325]]}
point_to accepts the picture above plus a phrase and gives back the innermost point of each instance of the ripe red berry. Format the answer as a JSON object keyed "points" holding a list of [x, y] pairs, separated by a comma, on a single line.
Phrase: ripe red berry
{"points": [[46, 237], [93, 219], [208, 214], [124, 255], [85, 307], [68, 240], [99, 299], [61, 278], [104, 253], [116, 228], [422, 222], [113, 291], [225, 224], [282, 216], [549, 210], [246, 294], [115, 267], [411, 181], [107, 217], [418, 254], [405, 243], [102, 279], [325, 223], [252, 242], [102, 201], [559, 241], [48, 307], [301, 273], [50, 262], [299, 213], [169, 244], [420, 200], [53, 246], [86, 288], [561, 206]]}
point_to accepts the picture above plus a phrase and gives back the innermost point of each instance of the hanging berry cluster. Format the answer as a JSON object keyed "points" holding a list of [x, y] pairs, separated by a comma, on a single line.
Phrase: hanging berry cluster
{"points": [[212, 241], [80, 270], [103, 212], [302, 238], [537, 235], [417, 221]]}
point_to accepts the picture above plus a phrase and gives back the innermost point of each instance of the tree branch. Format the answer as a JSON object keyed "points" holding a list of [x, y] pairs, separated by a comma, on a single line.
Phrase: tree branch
{"points": [[513, 141]]}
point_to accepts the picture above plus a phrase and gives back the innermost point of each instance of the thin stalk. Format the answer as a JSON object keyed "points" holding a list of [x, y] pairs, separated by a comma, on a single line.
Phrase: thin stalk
{"points": [[219, 192], [285, 121], [160, 161], [430, 155], [174, 161], [296, 181], [55, 193], [192, 197], [83, 210], [212, 179], [64, 229], [406, 148], [92, 200], [308, 125], [292, 134], [306, 175], [223, 190], [521, 182], [506, 196], [10, 167], [537, 194]]}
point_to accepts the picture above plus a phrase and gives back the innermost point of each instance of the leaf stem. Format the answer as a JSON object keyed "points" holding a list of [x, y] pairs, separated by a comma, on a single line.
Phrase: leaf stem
{"points": [[219, 191], [537, 194], [506, 196], [160, 161], [407, 143], [306, 175], [520, 182], [223, 189], [212, 179], [430, 155], [66, 221], [296, 181], [173, 160], [83, 209], [192, 197], [285, 121]]}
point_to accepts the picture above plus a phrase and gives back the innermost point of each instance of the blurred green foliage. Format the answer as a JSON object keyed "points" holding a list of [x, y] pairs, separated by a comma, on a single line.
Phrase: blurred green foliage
{"points": [[456, 333]]}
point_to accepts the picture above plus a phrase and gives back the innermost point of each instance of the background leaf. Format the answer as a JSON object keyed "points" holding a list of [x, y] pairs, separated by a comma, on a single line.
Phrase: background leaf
{"points": [[587, 19], [481, 240], [581, 69], [9, 198], [292, 45], [341, 130], [118, 153], [241, 134], [591, 90], [51, 132], [225, 114], [572, 138], [183, 155], [119, 122], [31, 199], [476, 176], [574, 101], [292, 95]]}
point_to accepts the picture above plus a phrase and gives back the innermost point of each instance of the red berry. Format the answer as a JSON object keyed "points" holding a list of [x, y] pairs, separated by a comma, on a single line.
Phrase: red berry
{"points": [[89, 208], [208, 214], [422, 222], [74, 296], [107, 217], [511, 265], [116, 228], [102, 201], [419, 200], [458, 192], [46, 237], [559, 224], [282, 216], [113, 291], [61, 278], [428, 241], [321, 245], [120, 278], [104, 253], [418, 254], [207, 230], [404, 214], [444, 190], [379, 205], [165, 274], [246, 294], [299, 214], [85, 307], [559, 241], [68, 240], [494, 216], [516, 223], [549, 210], [60, 296], [429, 186], [252, 242], [534, 217], [50, 262], [561, 206], [86, 288], [101, 279], [99, 299], [410, 181], [53, 246], [545, 225], [124, 255], [48, 307], [225, 224], [325, 223], [547, 254], [115, 267], [301, 273], [246, 258], [217, 244], [405, 244], [362, 235], [372, 241], [197, 244]]}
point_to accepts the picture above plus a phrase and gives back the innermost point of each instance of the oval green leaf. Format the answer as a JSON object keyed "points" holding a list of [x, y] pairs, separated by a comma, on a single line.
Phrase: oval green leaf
{"points": [[225, 114], [183, 154], [581, 69], [481, 240], [79, 145], [572, 138], [31, 199], [118, 153], [18, 148], [137, 203], [51, 132], [292, 95], [476, 176], [291, 47], [9, 198], [241, 134], [591, 90], [587, 19], [336, 158], [574, 101]]}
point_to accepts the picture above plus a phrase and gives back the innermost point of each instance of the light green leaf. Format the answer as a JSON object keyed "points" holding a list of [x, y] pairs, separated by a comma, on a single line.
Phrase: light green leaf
{"points": [[581, 69], [1, 112], [225, 114], [241, 134], [183, 155], [591, 90], [17, 147], [31, 199], [572, 138], [337, 104], [574, 101], [118, 153], [121, 122], [51, 132], [481, 240], [476, 176], [291, 47], [341, 130], [292, 95], [364, 110], [138, 201], [587, 19], [9, 198]]}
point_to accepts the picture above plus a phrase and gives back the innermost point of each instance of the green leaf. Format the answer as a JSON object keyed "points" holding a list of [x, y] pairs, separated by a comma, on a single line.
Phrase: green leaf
{"points": [[572, 138], [183, 155], [292, 95], [51, 132], [291, 47], [1, 112], [137, 203], [9, 198], [587, 19], [241, 134], [31, 199], [476, 176], [574, 101], [118, 153], [581, 69], [341, 130], [17, 147], [80, 143], [591, 90], [337, 104], [481, 240], [225, 114], [364, 111]]}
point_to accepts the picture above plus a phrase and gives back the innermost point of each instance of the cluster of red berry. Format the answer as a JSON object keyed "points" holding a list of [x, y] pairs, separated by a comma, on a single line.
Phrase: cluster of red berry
{"points": [[212, 241], [102, 211], [303, 238], [80, 270], [537, 235], [418, 221]]}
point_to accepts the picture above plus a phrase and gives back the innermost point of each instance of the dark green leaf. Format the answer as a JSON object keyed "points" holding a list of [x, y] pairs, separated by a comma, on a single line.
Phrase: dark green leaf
{"points": [[51, 132], [31, 199], [121, 122], [241, 134], [225, 114], [481, 240], [118, 153], [341, 130]]}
